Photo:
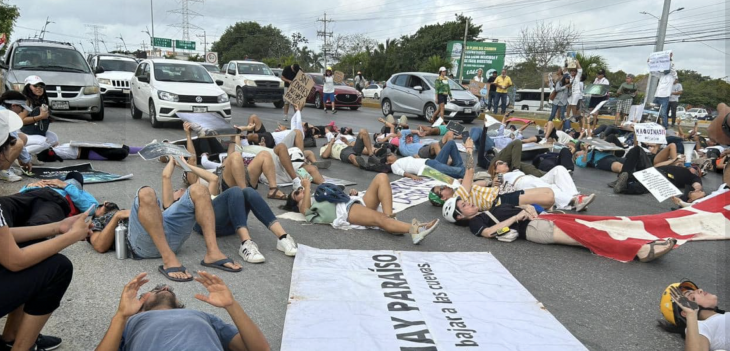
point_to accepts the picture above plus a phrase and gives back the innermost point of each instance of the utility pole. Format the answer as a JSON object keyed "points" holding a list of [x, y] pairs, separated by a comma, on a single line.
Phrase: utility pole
{"points": [[659, 46], [205, 43], [82, 47], [152, 36], [125, 44], [97, 36], [144, 46], [463, 52], [324, 34], [43, 31]]}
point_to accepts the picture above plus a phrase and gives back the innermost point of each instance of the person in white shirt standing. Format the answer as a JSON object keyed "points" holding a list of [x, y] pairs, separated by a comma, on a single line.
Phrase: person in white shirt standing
{"points": [[674, 100], [664, 90], [601, 78], [576, 94], [328, 89]]}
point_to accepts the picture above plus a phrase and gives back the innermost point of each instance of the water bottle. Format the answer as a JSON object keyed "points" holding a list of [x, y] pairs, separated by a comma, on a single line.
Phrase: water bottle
{"points": [[120, 241]]}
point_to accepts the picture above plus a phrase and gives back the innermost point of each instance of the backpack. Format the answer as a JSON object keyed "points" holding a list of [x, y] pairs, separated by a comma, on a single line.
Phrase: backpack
{"points": [[547, 161], [327, 192]]}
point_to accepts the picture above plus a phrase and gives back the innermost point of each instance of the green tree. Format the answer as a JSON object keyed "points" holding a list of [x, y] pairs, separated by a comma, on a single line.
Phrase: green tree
{"points": [[433, 63], [196, 58], [8, 15], [253, 40], [591, 64]]}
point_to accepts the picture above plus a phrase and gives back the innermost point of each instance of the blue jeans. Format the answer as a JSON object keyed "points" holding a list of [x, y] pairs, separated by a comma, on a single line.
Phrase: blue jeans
{"points": [[232, 208], [475, 134], [501, 99], [492, 100], [663, 103], [177, 222], [456, 170], [555, 109]]}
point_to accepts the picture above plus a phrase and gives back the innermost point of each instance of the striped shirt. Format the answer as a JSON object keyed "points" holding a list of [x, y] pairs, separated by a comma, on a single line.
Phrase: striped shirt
{"points": [[482, 197]]}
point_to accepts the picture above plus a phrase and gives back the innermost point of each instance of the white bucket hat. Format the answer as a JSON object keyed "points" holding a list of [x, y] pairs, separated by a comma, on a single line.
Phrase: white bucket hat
{"points": [[9, 122]]}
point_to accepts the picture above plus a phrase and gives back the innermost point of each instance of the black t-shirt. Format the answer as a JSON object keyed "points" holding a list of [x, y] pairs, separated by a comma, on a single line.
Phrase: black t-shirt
{"points": [[681, 177], [502, 212], [492, 87], [289, 74]]}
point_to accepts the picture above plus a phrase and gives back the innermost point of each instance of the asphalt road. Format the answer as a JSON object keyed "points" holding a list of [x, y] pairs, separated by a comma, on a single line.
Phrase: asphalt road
{"points": [[607, 305]]}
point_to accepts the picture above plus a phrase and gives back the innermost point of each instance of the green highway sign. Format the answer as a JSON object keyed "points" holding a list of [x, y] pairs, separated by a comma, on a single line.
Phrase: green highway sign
{"points": [[476, 55], [185, 45], [162, 42]]}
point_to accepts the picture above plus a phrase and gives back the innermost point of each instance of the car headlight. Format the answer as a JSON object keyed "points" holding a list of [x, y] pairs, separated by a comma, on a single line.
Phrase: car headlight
{"points": [[91, 89], [18, 86], [163, 95], [104, 81], [222, 98], [359, 94], [249, 83]]}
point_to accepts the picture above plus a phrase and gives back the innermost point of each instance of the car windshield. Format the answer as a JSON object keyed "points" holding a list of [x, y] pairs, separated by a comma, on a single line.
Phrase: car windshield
{"points": [[118, 65], [319, 80], [453, 85], [254, 68], [172, 72], [44, 58], [212, 68]]}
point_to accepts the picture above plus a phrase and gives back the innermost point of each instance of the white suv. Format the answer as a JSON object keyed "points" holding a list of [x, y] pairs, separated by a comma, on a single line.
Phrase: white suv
{"points": [[165, 87], [113, 72]]}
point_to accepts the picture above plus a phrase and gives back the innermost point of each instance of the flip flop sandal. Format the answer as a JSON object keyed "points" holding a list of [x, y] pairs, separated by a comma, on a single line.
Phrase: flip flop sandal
{"points": [[166, 273], [220, 265], [276, 194], [653, 255]]}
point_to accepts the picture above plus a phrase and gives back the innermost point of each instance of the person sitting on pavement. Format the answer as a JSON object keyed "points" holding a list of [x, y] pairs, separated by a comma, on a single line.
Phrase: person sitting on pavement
{"points": [[291, 163], [156, 232], [41, 206], [694, 313], [157, 320], [71, 189], [12, 147], [412, 167], [486, 197], [34, 279], [374, 209], [524, 222], [411, 145]]}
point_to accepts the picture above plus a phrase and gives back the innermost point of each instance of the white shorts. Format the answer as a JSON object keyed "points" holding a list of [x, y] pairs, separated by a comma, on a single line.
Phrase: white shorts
{"points": [[574, 99]]}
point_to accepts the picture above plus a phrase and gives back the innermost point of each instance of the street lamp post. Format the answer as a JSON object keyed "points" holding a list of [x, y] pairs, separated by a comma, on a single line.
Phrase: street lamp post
{"points": [[43, 31]]}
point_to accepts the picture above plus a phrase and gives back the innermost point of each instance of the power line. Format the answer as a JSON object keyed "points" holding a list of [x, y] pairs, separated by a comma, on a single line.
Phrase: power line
{"points": [[186, 13], [324, 34], [97, 36]]}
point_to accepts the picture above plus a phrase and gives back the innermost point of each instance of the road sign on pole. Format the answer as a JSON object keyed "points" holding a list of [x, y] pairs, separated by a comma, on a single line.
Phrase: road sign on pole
{"points": [[162, 42], [211, 57], [184, 45]]}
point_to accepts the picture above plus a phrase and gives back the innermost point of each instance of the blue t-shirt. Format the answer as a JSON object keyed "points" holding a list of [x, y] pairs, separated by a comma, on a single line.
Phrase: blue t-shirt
{"points": [[178, 329], [409, 149]]}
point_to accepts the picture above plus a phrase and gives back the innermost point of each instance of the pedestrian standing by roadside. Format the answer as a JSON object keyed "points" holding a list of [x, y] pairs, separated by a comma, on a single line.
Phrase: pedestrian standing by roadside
{"points": [[478, 77], [288, 75], [492, 88], [626, 94], [360, 81], [576, 94], [503, 84], [562, 89], [443, 93], [674, 100], [601, 78], [328, 89], [664, 90]]}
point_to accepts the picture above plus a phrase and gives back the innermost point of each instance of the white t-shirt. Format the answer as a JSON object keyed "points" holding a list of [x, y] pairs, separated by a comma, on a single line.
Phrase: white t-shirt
{"points": [[349, 138], [408, 165], [715, 329], [666, 81], [329, 85], [279, 136], [675, 88], [576, 88], [478, 79], [602, 81]]}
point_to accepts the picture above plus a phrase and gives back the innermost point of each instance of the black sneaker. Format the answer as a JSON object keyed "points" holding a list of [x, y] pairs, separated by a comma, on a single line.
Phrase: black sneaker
{"points": [[621, 183], [47, 342]]}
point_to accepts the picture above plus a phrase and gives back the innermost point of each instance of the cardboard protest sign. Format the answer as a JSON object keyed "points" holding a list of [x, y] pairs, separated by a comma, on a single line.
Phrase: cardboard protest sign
{"points": [[339, 77], [212, 124], [650, 133], [490, 121], [184, 165], [660, 61], [91, 175], [657, 184], [155, 150], [299, 89], [475, 86], [455, 127], [95, 145]]}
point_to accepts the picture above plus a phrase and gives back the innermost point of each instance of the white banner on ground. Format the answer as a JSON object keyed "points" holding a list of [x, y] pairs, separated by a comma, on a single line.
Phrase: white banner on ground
{"points": [[657, 184], [490, 121], [650, 133], [408, 192], [660, 61], [360, 300]]}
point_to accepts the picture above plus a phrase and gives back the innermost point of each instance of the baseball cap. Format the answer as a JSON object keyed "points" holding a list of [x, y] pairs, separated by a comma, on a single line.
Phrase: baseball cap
{"points": [[78, 177], [33, 80], [442, 69], [9, 122]]}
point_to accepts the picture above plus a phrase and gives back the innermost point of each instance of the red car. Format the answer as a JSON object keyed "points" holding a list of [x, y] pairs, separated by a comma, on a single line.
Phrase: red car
{"points": [[345, 96]]}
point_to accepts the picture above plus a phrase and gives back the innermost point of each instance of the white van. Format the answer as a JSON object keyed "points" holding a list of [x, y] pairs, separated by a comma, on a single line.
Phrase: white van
{"points": [[529, 99]]}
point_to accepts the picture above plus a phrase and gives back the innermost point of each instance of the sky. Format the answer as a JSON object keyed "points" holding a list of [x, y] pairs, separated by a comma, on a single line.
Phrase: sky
{"points": [[601, 23]]}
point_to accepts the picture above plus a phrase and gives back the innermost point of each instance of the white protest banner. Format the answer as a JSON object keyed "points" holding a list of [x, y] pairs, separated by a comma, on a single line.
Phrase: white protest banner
{"points": [[339, 77], [490, 121], [650, 133], [657, 184], [660, 61], [416, 301], [299, 89], [438, 122], [636, 112], [408, 192], [598, 107]]}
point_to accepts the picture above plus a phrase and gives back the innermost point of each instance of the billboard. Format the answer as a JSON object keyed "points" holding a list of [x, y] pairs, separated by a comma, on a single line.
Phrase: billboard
{"points": [[476, 55]]}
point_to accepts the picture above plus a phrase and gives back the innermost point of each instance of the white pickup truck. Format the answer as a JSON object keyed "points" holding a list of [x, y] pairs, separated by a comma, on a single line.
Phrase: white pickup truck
{"points": [[251, 82]]}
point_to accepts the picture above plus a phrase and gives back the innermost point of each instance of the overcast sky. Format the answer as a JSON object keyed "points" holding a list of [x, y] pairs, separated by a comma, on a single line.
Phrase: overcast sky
{"points": [[602, 23]]}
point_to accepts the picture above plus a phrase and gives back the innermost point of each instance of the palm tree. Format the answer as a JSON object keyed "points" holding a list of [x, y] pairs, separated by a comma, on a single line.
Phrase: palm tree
{"points": [[591, 64]]}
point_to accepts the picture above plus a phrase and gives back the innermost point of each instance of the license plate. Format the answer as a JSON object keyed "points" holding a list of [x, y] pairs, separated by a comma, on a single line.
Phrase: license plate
{"points": [[125, 91], [59, 105], [198, 109], [467, 110]]}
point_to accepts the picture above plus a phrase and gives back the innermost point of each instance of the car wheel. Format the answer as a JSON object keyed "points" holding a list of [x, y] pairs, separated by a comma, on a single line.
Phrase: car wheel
{"points": [[376, 97], [525, 108], [136, 113], [318, 101], [279, 104], [153, 116], [240, 99], [354, 108], [99, 116], [386, 107], [429, 110]]}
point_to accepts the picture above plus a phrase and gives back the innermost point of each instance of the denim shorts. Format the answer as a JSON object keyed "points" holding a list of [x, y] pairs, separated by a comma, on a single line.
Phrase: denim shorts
{"points": [[328, 97], [177, 222]]}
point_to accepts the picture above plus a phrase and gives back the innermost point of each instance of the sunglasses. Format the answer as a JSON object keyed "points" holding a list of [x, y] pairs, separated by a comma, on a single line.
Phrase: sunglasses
{"points": [[39, 86]]}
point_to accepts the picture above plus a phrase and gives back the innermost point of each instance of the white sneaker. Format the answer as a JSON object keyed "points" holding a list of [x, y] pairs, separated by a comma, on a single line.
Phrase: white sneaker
{"points": [[543, 141], [9, 176], [249, 251], [582, 201], [287, 245], [16, 171], [419, 231]]}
